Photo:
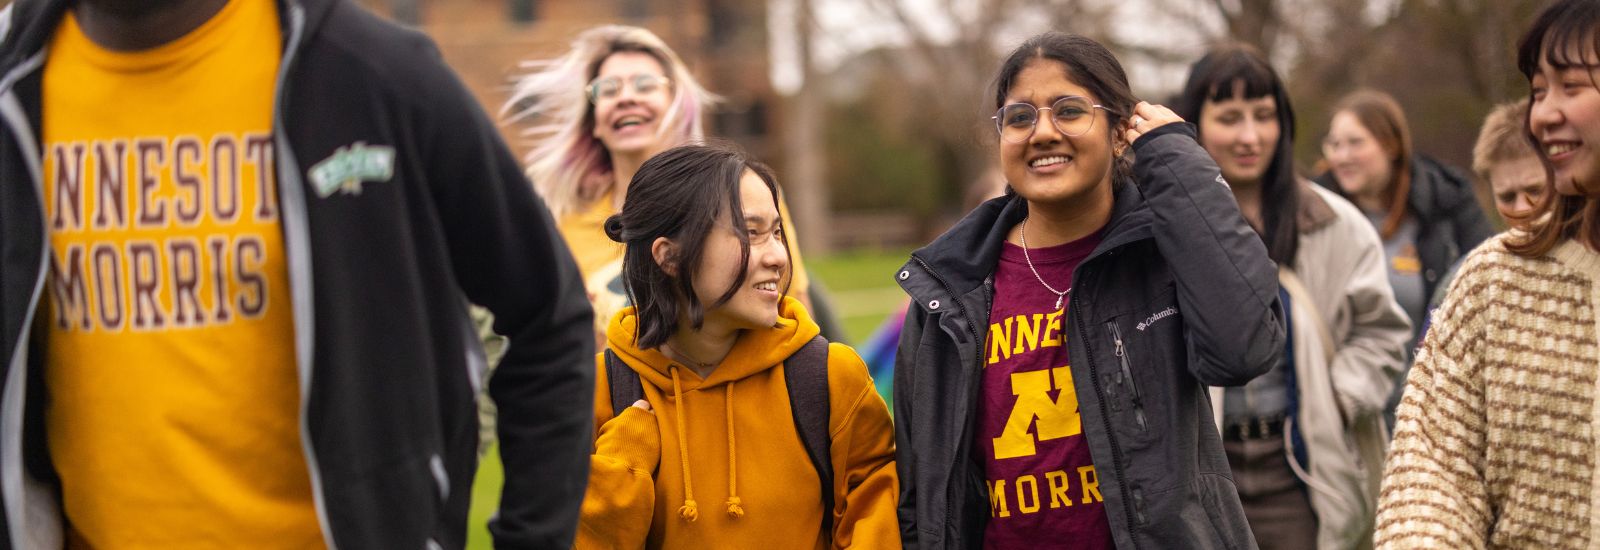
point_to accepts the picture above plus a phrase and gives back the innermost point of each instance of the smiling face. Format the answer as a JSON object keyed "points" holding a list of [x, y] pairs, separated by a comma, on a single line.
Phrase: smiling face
{"points": [[754, 303], [1565, 121], [1050, 167], [628, 123], [1241, 135], [1359, 162]]}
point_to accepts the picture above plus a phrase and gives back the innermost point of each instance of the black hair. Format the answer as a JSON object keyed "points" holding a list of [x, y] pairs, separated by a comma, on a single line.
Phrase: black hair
{"points": [[1560, 33], [679, 194], [1088, 64], [1216, 77]]}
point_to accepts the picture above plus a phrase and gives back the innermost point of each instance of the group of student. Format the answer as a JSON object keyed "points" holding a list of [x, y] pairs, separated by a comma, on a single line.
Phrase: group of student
{"points": [[240, 238], [1189, 346]]}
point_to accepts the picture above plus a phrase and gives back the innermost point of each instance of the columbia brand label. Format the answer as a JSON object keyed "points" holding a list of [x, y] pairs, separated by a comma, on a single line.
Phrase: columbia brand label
{"points": [[350, 166], [1159, 315]]}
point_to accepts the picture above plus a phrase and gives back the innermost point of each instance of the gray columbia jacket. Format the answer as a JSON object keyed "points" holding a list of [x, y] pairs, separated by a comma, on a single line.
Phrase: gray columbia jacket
{"points": [[1175, 241]]}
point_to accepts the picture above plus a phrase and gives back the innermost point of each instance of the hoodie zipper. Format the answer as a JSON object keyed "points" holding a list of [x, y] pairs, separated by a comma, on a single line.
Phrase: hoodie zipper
{"points": [[297, 242], [967, 419], [1126, 377], [13, 403]]}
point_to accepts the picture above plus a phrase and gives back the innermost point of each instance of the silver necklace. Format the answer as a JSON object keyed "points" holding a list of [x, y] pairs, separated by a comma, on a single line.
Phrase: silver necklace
{"points": [[1061, 295]]}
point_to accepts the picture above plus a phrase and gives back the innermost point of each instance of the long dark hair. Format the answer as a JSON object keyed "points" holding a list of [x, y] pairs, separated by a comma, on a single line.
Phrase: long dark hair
{"points": [[1214, 78], [679, 194], [1088, 64], [1557, 32]]}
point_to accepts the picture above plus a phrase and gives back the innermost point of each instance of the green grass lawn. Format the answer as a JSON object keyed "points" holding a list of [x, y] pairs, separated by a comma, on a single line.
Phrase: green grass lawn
{"points": [[862, 287], [863, 293]]}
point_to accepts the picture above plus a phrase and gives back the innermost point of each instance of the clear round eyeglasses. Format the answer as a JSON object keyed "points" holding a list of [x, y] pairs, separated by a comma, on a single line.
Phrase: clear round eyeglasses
{"points": [[611, 86], [1072, 116]]}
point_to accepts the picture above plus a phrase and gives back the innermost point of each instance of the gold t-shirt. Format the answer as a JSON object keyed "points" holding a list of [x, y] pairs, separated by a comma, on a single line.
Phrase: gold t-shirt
{"points": [[173, 416]]}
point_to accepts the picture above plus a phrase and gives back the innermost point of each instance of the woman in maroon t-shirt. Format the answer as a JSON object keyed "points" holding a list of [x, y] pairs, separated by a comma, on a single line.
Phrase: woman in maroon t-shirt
{"points": [[1050, 381]]}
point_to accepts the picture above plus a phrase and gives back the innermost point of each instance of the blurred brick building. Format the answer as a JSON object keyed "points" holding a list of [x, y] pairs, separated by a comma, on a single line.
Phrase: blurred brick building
{"points": [[723, 41]]}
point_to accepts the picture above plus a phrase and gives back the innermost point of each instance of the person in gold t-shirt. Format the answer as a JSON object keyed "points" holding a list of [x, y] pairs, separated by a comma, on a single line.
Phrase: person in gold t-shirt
{"points": [[164, 154], [235, 265]]}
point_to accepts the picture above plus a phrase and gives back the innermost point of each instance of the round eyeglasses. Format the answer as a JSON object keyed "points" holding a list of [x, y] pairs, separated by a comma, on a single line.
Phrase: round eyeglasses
{"points": [[611, 86], [1072, 116]]}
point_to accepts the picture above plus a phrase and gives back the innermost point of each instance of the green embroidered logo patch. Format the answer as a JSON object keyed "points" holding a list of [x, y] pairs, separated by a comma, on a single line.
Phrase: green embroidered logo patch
{"points": [[349, 166]]}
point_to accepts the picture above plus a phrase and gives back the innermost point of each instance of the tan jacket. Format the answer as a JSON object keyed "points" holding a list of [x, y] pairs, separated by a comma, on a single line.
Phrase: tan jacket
{"points": [[1349, 339]]}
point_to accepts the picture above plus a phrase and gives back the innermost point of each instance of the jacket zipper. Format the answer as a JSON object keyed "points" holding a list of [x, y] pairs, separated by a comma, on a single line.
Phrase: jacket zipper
{"points": [[297, 244], [12, 413], [1105, 417], [967, 420], [1127, 375]]}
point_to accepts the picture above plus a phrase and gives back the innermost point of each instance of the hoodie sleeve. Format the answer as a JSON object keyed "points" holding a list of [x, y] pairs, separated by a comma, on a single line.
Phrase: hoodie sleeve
{"points": [[619, 504], [1227, 286], [865, 483], [506, 255]]}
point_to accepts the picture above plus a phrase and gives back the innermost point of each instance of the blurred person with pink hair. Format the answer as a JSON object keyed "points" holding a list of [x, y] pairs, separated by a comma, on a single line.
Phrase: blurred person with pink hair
{"points": [[617, 97]]}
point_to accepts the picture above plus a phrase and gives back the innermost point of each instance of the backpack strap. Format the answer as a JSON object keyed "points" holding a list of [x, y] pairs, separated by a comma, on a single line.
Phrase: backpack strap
{"points": [[625, 385], [806, 375]]}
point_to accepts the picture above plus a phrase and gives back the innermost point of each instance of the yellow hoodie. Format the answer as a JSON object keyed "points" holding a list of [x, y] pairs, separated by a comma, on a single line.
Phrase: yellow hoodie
{"points": [[742, 480]]}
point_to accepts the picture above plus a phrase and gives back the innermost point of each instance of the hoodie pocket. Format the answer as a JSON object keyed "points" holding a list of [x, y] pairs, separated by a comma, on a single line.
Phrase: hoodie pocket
{"points": [[1123, 380]]}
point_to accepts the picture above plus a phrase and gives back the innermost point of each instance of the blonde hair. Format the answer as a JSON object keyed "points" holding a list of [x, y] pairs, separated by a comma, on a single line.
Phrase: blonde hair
{"points": [[1502, 138], [568, 166]]}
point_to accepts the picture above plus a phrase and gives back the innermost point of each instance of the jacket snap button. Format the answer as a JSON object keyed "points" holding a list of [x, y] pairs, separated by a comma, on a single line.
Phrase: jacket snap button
{"points": [[905, 275], [933, 305], [1431, 275]]}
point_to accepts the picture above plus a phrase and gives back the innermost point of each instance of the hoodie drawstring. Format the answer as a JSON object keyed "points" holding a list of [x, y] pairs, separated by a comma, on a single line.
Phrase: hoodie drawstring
{"points": [[735, 508], [689, 511]]}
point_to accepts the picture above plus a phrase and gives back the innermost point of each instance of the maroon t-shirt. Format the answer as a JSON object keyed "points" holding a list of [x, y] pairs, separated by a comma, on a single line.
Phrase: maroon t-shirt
{"points": [[1043, 488]]}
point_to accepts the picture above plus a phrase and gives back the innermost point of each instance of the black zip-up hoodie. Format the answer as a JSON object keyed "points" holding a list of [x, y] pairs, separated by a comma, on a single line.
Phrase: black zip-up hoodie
{"points": [[379, 284], [1179, 295]]}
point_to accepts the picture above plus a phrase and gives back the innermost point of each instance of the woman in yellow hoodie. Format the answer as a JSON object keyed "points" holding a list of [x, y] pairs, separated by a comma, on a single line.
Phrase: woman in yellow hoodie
{"points": [[711, 456]]}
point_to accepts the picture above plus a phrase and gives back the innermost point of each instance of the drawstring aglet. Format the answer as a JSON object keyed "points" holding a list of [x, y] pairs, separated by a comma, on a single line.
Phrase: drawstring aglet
{"points": [[735, 508], [689, 511]]}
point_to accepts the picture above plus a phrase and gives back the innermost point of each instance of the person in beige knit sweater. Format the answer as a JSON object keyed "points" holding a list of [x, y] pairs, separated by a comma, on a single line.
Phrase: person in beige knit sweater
{"points": [[1497, 432]]}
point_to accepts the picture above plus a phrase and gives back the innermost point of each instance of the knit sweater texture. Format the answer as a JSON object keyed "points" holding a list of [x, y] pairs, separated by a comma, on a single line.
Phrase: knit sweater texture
{"points": [[1495, 439]]}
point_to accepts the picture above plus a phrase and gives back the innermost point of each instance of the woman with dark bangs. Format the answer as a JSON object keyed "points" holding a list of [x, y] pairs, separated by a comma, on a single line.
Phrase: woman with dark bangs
{"points": [[1495, 445], [1287, 433]]}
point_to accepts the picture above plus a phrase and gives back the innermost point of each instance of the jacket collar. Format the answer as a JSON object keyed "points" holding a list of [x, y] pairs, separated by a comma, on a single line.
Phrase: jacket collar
{"points": [[1430, 178], [965, 256], [29, 27], [1314, 212]]}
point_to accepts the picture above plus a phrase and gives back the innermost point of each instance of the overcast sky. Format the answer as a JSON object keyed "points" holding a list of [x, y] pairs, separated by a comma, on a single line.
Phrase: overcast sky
{"points": [[851, 27]]}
